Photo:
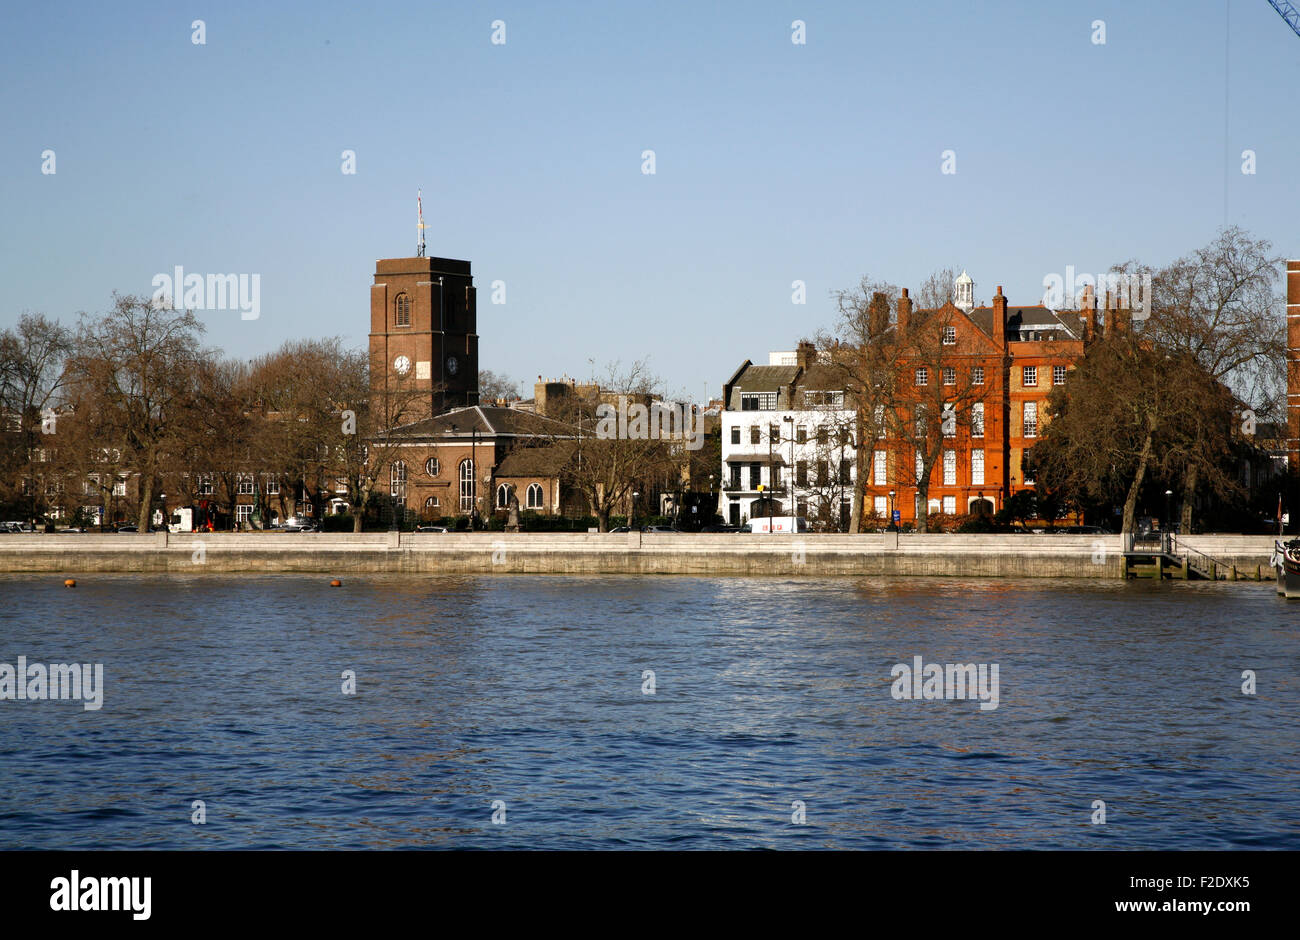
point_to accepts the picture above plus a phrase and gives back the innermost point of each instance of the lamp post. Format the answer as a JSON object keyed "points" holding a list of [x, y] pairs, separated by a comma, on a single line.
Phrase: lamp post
{"points": [[892, 524], [1168, 520], [631, 521], [162, 498], [790, 419]]}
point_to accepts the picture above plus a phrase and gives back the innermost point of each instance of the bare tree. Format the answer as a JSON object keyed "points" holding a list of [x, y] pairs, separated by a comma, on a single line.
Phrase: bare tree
{"points": [[33, 356], [139, 361], [1218, 305]]}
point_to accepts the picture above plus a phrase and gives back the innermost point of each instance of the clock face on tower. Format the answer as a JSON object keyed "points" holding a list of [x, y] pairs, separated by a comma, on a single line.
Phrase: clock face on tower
{"points": [[453, 365], [402, 365]]}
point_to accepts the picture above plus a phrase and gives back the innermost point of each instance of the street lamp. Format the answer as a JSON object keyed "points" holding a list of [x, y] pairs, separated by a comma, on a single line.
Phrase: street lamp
{"points": [[892, 524], [631, 522], [790, 419], [1168, 520]]}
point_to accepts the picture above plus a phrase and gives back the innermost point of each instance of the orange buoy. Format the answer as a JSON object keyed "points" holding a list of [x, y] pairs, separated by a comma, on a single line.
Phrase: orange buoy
{"points": [[336, 583], [70, 582]]}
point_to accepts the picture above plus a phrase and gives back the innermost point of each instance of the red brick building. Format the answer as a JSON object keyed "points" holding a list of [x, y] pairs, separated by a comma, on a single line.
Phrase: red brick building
{"points": [[1010, 357]]}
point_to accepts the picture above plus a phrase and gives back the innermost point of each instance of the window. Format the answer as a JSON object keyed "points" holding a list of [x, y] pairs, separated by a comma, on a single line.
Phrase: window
{"points": [[758, 401], [801, 473], [949, 375], [950, 505], [735, 475], [397, 482], [949, 468], [774, 475], [823, 399], [735, 435], [774, 434], [402, 310], [846, 471], [431, 503], [801, 435], [431, 466], [977, 375], [950, 336], [1029, 376], [1058, 375], [466, 485], [977, 467], [977, 419], [948, 420], [534, 496], [90, 484], [503, 497], [272, 487], [243, 513], [879, 418], [754, 434], [755, 475], [205, 485], [881, 506], [823, 473], [923, 376], [880, 467], [119, 488], [920, 466], [245, 485], [1031, 419]]}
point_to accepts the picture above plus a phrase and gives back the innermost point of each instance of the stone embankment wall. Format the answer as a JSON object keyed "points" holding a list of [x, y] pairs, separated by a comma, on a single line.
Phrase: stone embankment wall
{"points": [[1006, 556]]}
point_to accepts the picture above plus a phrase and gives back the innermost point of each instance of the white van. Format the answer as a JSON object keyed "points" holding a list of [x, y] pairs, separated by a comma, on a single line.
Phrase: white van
{"points": [[778, 524]]}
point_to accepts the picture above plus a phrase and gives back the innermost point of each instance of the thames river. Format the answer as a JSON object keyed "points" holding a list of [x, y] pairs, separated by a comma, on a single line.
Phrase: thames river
{"points": [[550, 712]]}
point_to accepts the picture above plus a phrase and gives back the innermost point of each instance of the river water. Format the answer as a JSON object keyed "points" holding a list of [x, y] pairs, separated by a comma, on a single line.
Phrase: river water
{"points": [[772, 722]]}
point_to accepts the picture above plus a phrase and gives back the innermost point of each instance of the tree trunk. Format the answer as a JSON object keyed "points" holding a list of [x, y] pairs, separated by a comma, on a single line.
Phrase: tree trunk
{"points": [[857, 504], [1130, 503], [146, 500], [1189, 497], [602, 518], [923, 506]]}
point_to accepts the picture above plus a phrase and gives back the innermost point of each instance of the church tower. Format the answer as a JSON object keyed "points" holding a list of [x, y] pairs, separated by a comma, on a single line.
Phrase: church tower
{"points": [[423, 339]]}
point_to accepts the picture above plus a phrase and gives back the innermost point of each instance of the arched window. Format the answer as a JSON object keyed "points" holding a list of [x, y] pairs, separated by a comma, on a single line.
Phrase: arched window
{"points": [[402, 310], [431, 503], [397, 482], [431, 466], [534, 497], [503, 497], [466, 485]]}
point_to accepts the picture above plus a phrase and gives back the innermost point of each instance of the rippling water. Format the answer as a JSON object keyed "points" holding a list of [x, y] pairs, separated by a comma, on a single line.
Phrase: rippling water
{"points": [[528, 690]]}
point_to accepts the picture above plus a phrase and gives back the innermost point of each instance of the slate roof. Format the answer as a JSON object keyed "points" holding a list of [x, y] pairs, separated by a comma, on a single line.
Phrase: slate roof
{"points": [[486, 421], [543, 461]]}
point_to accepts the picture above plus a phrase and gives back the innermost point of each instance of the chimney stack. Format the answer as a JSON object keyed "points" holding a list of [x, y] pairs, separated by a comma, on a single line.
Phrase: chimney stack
{"points": [[1088, 310], [1000, 319], [904, 313], [805, 354]]}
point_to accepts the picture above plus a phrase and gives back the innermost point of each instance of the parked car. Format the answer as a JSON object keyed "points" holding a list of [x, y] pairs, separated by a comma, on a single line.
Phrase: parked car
{"points": [[621, 529], [298, 524], [723, 528], [430, 528], [18, 528], [658, 528]]}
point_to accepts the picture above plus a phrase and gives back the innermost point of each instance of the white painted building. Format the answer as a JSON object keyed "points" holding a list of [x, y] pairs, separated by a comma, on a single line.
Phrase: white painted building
{"points": [[788, 430]]}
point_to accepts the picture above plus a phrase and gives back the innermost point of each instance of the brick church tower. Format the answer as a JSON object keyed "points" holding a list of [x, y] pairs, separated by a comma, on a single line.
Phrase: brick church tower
{"points": [[423, 344]]}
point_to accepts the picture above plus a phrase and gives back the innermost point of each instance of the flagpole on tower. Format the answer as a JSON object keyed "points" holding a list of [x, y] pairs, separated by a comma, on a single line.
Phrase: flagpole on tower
{"points": [[419, 214]]}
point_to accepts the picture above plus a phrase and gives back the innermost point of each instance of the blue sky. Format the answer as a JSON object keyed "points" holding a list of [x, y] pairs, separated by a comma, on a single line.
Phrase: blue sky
{"points": [[774, 161]]}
